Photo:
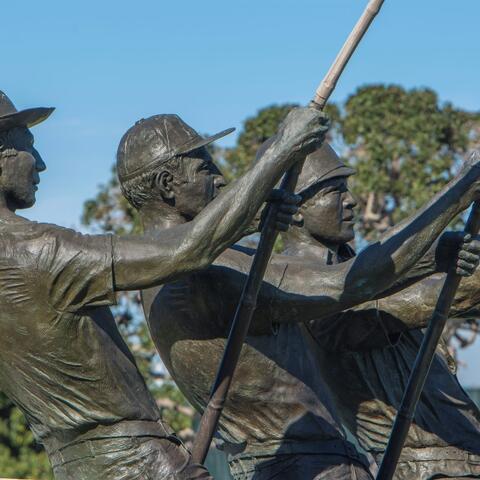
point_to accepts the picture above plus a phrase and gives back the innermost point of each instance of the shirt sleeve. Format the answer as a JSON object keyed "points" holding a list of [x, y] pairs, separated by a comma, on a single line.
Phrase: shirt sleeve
{"points": [[78, 269]]}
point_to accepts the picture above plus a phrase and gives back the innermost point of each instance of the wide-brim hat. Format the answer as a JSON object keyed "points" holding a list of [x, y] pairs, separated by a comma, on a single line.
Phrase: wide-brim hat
{"points": [[156, 140], [10, 117]]}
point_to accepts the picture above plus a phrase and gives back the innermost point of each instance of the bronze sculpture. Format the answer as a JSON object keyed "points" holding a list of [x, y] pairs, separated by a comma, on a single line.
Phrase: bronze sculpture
{"points": [[367, 369], [63, 361], [280, 416]]}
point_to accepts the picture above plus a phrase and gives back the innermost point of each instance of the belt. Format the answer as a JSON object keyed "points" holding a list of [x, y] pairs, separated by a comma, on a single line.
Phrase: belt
{"points": [[85, 445], [428, 454]]}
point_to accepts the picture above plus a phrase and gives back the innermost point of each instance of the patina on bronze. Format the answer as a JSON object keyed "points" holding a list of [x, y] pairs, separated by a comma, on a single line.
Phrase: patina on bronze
{"points": [[424, 361], [247, 303], [74, 377], [189, 321], [365, 367]]}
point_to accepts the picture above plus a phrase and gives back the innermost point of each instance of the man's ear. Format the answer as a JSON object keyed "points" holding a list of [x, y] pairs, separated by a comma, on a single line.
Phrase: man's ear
{"points": [[164, 183]]}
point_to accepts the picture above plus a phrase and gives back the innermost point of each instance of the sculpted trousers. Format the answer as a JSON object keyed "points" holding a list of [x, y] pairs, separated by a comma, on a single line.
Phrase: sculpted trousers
{"points": [[129, 458], [299, 466]]}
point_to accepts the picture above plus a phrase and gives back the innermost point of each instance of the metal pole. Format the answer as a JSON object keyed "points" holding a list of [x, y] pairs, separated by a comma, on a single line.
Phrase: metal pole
{"points": [[248, 300], [423, 362]]}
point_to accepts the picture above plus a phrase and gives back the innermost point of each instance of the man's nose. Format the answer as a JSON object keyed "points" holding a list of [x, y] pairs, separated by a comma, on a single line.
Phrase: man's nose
{"points": [[349, 201], [219, 181], [39, 163]]}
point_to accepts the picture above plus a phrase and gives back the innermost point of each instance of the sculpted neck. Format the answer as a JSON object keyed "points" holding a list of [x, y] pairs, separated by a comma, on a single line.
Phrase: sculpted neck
{"points": [[302, 241], [159, 216], [7, 209]]}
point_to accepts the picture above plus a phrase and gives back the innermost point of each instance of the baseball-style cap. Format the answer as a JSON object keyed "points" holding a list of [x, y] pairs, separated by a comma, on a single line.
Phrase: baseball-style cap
{"points": [[10, 117], [155, 140], [322, 164]]}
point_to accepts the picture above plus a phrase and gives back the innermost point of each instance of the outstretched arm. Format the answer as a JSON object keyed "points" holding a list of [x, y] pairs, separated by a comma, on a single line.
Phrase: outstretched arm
{"points": [[413, 307], [377, 267], [452, 250], [378, 323], [296, 290], [141, 262]]}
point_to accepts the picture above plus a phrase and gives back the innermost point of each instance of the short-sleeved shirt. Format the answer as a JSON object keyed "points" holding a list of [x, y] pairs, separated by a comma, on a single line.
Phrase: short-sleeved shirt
{"points": [[278, 403], [62, 359]]}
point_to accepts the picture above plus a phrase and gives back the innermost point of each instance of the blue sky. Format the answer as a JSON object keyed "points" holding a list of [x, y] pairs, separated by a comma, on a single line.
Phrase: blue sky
{"points": [[104, 64]]}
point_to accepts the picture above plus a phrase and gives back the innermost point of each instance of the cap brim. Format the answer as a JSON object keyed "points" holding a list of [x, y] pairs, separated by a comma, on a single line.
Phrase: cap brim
{"points": [[25, 118], [202, 142], [341, 171]]}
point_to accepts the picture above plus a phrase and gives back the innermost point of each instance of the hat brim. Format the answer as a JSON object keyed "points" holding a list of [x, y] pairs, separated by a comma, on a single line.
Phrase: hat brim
{"points": [[25, 118], [202, 142], [341, 171]]}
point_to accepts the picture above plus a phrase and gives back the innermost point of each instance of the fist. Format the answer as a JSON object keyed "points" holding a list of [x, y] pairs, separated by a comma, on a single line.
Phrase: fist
{"points": [[459, 251], [304, 130], [468, 256]]}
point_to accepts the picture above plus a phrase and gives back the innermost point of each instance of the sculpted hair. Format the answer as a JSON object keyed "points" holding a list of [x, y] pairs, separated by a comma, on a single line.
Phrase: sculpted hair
{"points": [[7, 143], [139, 190]]}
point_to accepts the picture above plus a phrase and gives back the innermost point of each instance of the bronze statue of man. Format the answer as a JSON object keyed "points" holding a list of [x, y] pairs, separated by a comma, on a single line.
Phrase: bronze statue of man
{"points": [[367, 368], [279, 421], [62, 359]]}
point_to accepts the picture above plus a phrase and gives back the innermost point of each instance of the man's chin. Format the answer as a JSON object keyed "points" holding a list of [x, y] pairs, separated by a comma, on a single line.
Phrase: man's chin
{"points": [[348, 235], [24, 204]]}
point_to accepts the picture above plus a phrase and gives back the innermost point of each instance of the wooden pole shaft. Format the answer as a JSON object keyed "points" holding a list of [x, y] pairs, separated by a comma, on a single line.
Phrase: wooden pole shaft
{"points": [[329, 83], [247, 304]]}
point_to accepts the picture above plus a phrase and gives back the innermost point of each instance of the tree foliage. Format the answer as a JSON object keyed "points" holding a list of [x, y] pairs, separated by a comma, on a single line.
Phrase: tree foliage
{"points": [[20, 456], [405, 146]]}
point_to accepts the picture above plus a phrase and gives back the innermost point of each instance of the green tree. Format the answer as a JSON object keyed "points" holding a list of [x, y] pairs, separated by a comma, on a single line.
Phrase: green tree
{"points": [[405, 146], [255, 131], [20, 456]]}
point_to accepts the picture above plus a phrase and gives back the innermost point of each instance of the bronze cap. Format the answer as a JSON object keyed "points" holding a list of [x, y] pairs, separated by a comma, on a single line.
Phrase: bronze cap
{"points": [[155, 140]]}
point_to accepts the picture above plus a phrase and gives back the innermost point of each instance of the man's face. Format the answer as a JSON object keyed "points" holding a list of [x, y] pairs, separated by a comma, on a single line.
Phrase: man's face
{"points": [[19, 174], [200, 184], [327, 212]]}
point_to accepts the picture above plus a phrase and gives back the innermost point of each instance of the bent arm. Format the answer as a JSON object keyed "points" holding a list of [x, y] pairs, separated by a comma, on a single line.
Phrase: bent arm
{"points": [[413, 307], [379, 323], [296, 290], [283, 298], [145, 262], [309, 292]]}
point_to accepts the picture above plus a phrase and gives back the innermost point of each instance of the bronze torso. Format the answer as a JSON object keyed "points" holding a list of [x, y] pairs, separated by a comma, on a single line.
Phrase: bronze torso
{"points": [[278, 403]]}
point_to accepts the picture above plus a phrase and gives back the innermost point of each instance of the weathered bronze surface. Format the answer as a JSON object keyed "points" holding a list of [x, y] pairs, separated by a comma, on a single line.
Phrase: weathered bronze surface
{"points": [[367, 371], [280, 415], [62, 359]]}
